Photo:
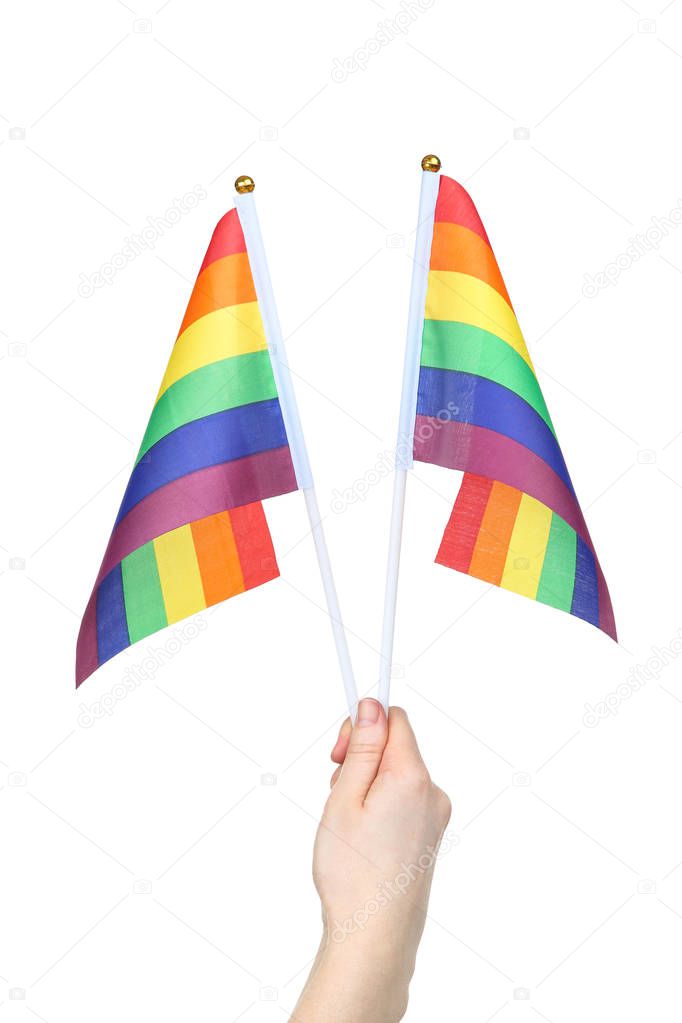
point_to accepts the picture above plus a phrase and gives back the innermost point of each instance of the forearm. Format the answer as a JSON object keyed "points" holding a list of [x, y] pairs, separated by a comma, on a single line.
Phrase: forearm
{"points": [[352, 982]]}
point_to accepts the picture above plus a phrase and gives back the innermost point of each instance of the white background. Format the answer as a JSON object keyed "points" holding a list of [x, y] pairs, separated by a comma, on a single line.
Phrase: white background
{"points": [[148, 872]]}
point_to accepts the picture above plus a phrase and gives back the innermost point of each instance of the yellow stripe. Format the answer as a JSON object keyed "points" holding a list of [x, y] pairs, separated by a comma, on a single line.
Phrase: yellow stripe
{"points": [[183, 593], [218, 335], [465, 299], [526, 554]]}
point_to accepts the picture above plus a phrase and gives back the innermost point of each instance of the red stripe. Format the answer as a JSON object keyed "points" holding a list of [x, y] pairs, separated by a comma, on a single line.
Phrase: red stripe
{"points": [[254, 544], [227, 239], [461, 532], [455, 205]]}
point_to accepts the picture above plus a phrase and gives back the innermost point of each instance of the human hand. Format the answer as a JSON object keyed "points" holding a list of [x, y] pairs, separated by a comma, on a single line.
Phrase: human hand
{"points": [[373, 864]]}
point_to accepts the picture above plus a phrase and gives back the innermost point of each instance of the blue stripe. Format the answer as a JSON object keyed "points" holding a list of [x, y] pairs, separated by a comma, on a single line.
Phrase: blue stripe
{"points": [[112, 625], [452, 396], [585, 602], [222, 437]]}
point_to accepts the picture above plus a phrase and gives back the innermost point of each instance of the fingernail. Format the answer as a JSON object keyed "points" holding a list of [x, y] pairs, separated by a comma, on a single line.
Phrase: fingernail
{"points": [[368, 713]]}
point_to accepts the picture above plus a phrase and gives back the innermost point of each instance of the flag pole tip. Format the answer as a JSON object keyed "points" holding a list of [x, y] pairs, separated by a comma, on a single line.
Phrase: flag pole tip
{"points": [[244, 184], [431, 163]]}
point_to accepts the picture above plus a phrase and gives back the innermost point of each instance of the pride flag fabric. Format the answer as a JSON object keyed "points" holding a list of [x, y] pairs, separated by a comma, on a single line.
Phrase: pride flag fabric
{"points": [[516, 521], [191, 530]]}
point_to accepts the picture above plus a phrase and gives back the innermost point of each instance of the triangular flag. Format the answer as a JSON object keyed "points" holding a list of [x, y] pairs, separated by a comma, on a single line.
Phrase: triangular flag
{"points": [[191, 530], [516, 522]]}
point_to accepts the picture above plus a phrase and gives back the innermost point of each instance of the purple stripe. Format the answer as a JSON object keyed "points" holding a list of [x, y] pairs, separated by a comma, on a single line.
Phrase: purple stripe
{"points": [[487, 453], [484, 452], [86, 647], [205, 492]]}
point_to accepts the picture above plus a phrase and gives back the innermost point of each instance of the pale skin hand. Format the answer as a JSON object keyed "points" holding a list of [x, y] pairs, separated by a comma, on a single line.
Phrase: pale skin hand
{"points": [[373, 863]]}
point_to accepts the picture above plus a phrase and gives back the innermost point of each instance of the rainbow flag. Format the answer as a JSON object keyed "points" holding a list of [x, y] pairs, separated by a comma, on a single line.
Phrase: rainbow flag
{"points": [[516, 521], [191, 530]]}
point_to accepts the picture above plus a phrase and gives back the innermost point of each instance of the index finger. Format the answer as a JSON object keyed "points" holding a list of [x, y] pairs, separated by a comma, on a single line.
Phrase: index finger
{"points": [[402, 751]]}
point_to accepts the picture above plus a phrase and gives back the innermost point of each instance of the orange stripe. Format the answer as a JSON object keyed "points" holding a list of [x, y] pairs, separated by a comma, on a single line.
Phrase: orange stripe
{"points": [[225, 282], [458, 249], [492, 544], [254, 543], [221, 574]]}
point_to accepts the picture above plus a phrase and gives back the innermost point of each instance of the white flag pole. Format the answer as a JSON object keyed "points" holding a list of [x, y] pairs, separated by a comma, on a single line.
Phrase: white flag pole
{"points": [[408, 409], [248, 218]]}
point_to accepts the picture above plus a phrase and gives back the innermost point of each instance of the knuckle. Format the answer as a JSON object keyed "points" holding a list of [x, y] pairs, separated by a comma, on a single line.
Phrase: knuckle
{"points": [[417, 780], [443, 805], [364, 752]]}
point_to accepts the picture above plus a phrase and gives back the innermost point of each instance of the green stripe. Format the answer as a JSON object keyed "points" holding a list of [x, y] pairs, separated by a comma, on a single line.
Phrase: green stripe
{"points": [[558, 569], [145, 610], [239, 380], [459, 346]]}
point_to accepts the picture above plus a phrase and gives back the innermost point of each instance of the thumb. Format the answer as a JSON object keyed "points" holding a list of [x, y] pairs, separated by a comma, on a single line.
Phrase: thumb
{"points": [[365, 750]]}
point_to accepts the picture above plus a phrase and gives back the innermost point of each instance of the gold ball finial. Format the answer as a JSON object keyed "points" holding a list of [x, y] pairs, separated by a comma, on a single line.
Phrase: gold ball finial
{"points": [[244, 184], [431, 163]]}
